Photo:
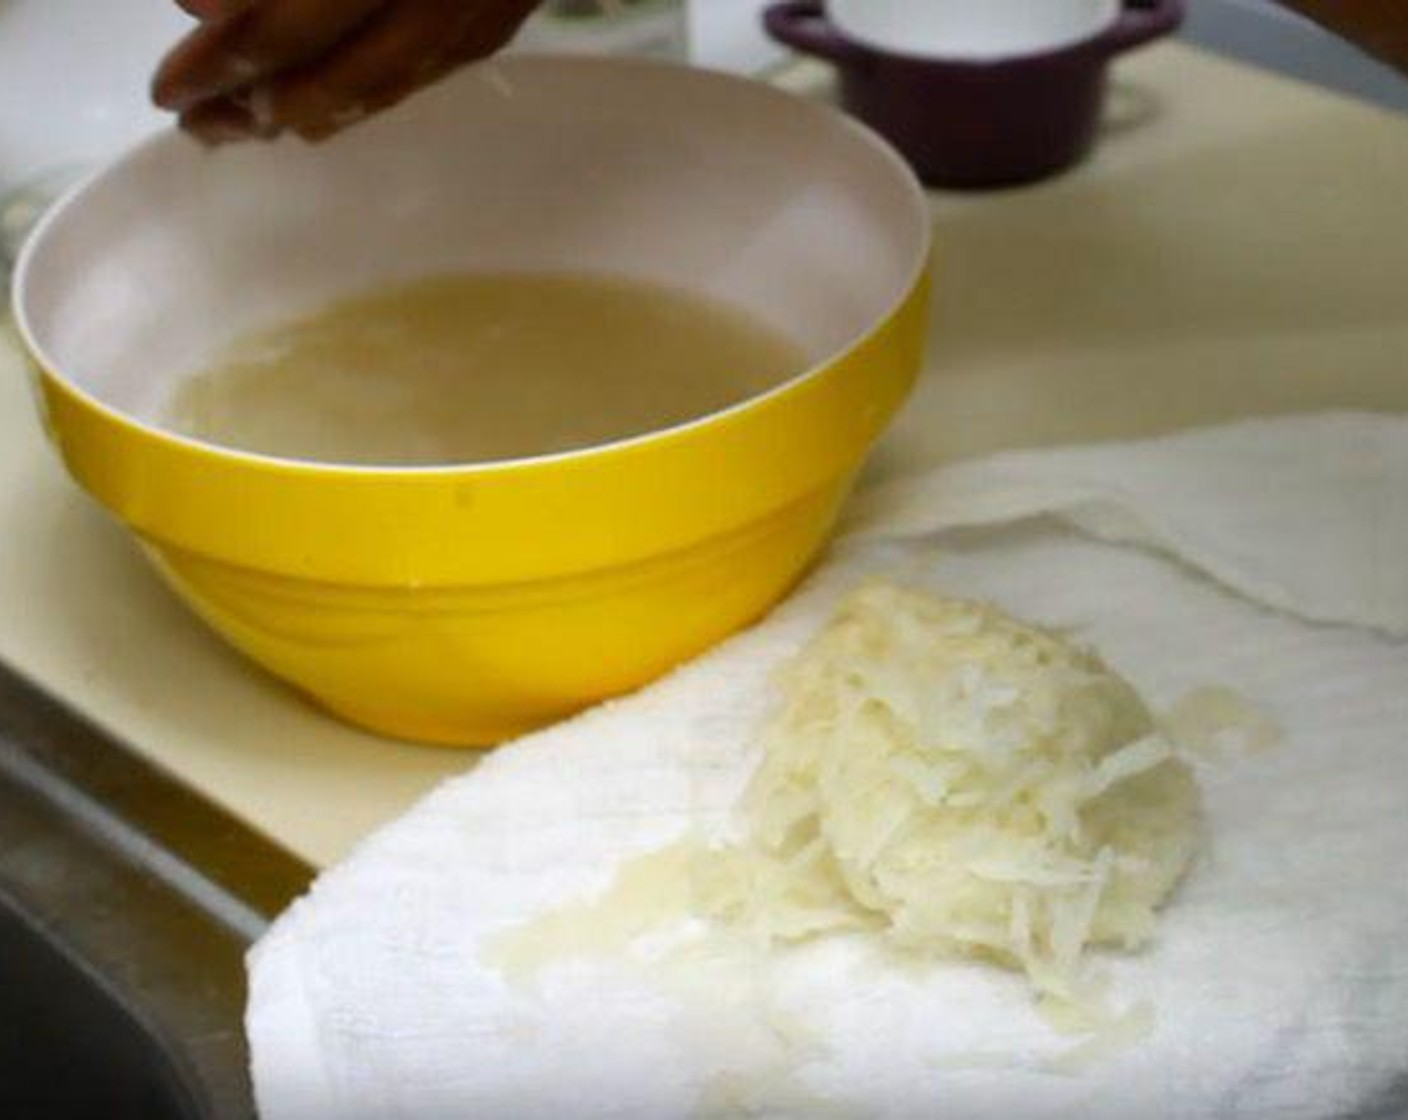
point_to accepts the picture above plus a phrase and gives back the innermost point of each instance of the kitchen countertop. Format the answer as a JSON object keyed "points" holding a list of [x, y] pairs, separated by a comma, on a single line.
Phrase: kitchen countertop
{"points": [[1238, 245]]}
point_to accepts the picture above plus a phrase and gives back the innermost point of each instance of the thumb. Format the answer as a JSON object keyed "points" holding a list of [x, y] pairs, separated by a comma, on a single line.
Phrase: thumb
{"points": [[214, 9]]}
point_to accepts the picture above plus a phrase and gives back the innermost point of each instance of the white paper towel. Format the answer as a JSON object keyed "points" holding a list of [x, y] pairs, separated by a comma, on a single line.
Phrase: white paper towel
{"points": [[1280, 976]]}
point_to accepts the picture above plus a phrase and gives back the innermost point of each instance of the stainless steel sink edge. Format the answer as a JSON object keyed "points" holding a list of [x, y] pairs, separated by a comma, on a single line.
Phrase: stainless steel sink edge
{"points": [[151, 891]]}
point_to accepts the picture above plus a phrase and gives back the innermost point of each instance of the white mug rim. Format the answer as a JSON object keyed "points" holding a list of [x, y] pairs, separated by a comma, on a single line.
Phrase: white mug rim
{"points": [[1054, 45]]}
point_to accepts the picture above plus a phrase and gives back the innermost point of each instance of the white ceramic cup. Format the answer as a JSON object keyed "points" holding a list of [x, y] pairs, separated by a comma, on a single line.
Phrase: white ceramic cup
{"points": [[971, 29]]}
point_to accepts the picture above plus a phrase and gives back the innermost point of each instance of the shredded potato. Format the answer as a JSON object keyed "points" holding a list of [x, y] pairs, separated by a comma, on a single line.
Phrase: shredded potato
{"points": [[962, 785]]}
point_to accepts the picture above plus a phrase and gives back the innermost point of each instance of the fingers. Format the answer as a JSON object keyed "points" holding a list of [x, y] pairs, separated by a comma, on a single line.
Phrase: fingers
{"points": [[255, 43], [392, 55], [414, 44], [213, 9], [492, 31], [258, 67], [245, 115], [221, 121]]}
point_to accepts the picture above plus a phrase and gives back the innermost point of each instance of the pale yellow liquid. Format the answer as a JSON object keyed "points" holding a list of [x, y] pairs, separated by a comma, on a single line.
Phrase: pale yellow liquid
{"points": [[460, 369]]}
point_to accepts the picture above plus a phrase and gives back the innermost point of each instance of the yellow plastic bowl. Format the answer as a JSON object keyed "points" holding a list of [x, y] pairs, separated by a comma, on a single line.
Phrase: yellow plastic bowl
{"points": [[469, 603]]}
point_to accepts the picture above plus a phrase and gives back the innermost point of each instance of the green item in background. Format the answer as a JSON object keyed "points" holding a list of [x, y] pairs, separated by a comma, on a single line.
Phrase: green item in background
{"points": [[650, 28]]}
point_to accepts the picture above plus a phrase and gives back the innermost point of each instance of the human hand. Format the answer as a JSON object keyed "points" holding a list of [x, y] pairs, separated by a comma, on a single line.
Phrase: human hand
{"points": [[1378, 26], [256, 68]]}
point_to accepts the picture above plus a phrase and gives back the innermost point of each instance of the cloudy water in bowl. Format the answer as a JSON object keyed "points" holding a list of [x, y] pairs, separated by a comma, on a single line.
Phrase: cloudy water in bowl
{"points": [[480, 367]]}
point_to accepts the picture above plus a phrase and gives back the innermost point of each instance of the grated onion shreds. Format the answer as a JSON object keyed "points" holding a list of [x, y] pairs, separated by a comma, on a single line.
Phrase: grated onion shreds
{"points": [[964, 784]]}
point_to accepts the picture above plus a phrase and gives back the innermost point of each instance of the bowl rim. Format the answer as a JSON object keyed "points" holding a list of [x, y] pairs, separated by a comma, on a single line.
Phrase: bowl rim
{"points": [[820, 112]]}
